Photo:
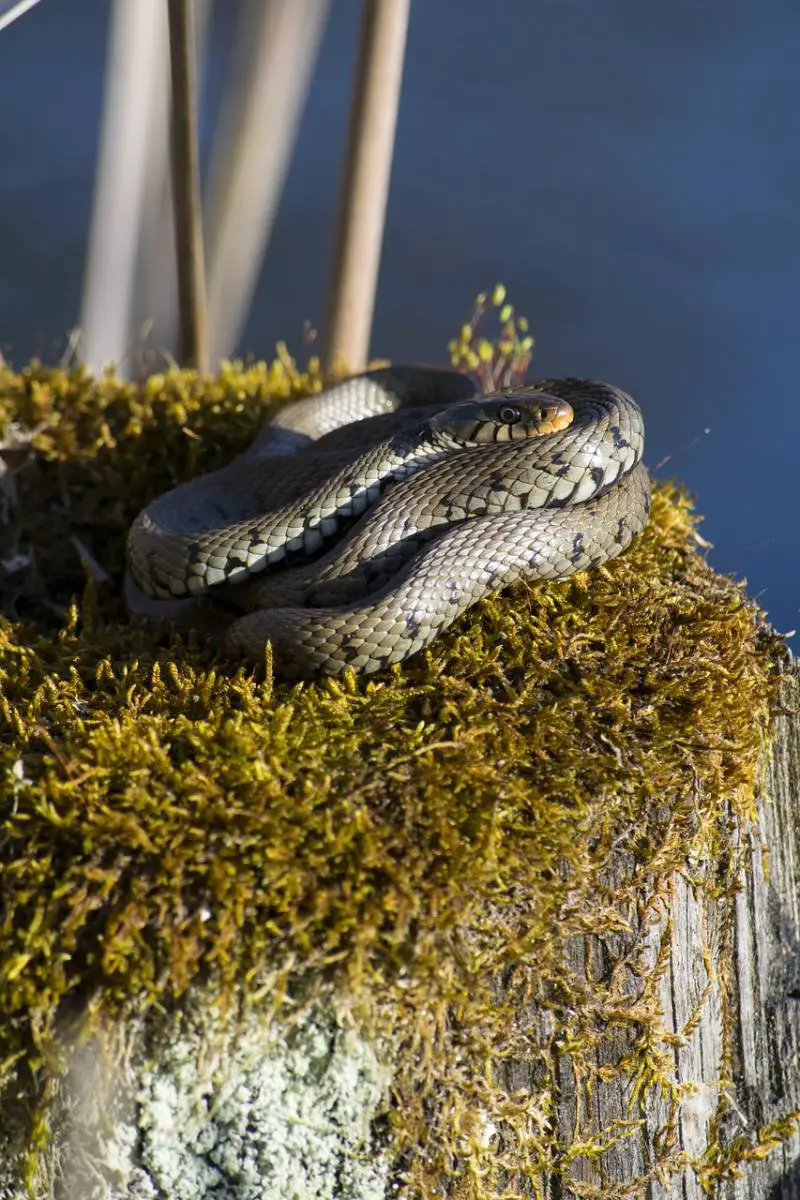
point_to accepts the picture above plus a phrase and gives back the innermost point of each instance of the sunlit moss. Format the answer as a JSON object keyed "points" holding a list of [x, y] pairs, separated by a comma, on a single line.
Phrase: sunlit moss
{"points": [[409, 839]]}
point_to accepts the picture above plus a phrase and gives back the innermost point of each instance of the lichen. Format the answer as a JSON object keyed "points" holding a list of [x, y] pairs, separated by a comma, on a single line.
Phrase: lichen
{"points": [[211, 1103], [406, 840]]}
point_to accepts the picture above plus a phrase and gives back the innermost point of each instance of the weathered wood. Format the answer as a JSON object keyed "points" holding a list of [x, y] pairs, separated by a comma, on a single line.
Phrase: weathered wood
{"points": [[752, 957], [768, 968]]}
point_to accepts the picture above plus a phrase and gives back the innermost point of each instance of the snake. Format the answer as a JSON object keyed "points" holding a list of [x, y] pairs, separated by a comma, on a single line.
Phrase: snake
{"points": [[364, 520]]}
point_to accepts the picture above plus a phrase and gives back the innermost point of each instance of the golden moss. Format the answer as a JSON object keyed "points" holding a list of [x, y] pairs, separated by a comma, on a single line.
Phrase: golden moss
{"points": [[413, 837]]}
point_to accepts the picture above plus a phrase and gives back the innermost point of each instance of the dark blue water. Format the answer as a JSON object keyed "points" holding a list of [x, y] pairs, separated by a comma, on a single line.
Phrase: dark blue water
{"points": [[631, 171]]}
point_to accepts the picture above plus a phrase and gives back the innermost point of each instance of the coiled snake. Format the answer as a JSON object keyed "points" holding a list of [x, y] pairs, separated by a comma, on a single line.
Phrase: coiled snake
{"points": [[364, 520]]}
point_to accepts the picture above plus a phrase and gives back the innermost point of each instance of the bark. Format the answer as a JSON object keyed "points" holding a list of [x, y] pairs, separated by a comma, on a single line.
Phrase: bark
{"points": [[754, 962]]}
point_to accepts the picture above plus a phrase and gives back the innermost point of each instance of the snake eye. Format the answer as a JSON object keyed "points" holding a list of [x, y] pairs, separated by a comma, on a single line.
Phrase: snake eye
{"points": [[509, 415]]}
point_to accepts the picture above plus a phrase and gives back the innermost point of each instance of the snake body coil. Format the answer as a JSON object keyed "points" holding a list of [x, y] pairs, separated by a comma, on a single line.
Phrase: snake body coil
{"points": [[364, 520]]}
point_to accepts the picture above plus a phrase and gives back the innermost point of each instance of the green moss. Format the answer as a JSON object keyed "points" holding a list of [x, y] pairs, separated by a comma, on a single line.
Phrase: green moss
{"points": [[407, 839]]}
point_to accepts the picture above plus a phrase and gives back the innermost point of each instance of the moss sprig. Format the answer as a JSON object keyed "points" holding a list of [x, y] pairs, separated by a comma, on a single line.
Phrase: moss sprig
{"points": [[497, 359]]}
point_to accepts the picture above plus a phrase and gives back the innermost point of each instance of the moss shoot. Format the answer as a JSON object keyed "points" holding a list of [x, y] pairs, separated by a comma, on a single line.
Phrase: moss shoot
{"points": [[406, 840]]}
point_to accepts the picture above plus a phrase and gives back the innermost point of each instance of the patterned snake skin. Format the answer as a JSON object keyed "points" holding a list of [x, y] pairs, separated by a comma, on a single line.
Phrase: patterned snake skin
{"points": [[364, 520]]}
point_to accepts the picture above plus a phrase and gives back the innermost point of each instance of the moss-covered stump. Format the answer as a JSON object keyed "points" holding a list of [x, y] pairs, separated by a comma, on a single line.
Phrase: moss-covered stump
{"points": [[475, 926]]}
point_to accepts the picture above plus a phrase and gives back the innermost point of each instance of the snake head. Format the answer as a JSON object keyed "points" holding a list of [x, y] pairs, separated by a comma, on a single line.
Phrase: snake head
{"points": [[511, 415]]}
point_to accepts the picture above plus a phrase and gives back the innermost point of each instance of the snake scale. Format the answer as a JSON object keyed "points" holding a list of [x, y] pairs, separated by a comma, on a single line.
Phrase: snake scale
{"points": [[364, 520]]}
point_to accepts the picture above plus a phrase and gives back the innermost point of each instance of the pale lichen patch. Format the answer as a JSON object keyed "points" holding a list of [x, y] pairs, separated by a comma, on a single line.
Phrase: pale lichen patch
{"points": [[205, 1105]]}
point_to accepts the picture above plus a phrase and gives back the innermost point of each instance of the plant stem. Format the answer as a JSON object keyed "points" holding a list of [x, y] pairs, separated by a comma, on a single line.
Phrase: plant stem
{"points": [[186, 186], [365, 181]]}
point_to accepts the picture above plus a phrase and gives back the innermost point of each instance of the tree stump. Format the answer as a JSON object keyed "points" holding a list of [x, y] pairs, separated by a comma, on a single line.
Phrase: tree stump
{"points": [[510, 921]]}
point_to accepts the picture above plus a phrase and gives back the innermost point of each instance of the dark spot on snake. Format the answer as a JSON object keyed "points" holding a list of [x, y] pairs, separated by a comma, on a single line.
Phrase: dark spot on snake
{"points": [[558, 457], [412, 623], [619, 537], [533, 558], [620, 443], [598, 475], [347, 639], [496, 482], [454, 596], [562, 471], [577, 548], [350, 652]]}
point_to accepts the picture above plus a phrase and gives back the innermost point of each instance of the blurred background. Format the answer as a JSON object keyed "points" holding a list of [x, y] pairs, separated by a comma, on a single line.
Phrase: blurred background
{"points": [[631, 172]]}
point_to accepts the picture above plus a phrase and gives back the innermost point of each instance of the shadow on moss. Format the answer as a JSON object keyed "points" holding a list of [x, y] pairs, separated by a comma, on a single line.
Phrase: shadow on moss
{"points": [[410, 839]]}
